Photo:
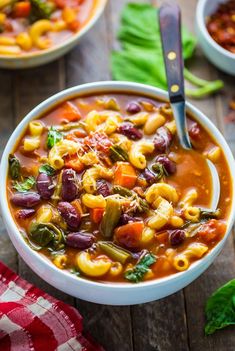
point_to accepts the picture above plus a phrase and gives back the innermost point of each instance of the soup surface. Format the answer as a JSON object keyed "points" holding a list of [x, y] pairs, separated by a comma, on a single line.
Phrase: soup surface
{"points": [[101, 186], [35, 25]]}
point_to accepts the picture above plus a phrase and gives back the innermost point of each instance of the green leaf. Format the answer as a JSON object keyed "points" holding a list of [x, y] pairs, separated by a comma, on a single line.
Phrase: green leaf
{"points": [[25, 186], [14, 167], [43, 234], [141, 57], [47, 169], [117, 153], [41, 9], [137, 273], [53, 137], [220, 308]]}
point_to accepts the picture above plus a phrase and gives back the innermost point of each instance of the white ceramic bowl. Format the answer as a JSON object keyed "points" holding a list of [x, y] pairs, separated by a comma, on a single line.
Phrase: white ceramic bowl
{"points": [[221, 58], [45, 56], [108, 293]]}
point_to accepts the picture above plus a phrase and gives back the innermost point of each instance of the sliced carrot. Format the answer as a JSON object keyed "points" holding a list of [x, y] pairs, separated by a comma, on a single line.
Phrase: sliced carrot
{"points": [[163, 238], [70, 112], [125, 175], [74, 26], [22, 9], [130, 234], [77, 204], [96, 214], [74, 163]]}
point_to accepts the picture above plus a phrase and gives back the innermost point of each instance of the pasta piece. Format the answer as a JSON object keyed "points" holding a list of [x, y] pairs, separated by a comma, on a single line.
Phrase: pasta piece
{"points": [[31, 143], [94, 119], [181, 262], [7, 41], [35, 128], [44, 214], [176, 221], [214, 154], [116, 269], [89, 159], [138, 151], [164, 190], [154, 122], [93, 201], [37, 32], [163, 212], [122, 141], [24, 41], [189, 198], [139, 119], [10, 50], [61, 149], [194, 250], [147, 235], [60, 261], [192, 213], [93, 267], [92, 175], [171, 126]]}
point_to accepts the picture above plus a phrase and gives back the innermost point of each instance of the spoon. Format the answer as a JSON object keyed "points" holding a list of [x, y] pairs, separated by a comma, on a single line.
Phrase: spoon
{"points": [[170, 27]]}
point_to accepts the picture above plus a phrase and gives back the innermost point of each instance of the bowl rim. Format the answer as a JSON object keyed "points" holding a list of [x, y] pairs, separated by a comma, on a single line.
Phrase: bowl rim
{"points": [[98, 10], [201, 23], [96, 88]]}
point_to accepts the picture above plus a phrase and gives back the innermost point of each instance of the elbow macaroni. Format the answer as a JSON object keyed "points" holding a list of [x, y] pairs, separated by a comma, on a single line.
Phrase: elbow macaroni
{"points": [[163, 212], [37, 32], [163, 190], [194, 250], [138, 151], [93, 201], [154, 122], [92, 175], [62, 148]]}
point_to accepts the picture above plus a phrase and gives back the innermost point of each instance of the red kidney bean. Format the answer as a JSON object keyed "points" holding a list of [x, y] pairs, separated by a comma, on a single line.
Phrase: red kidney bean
{"points": [[170, 166], [69, 214], [27, 200], [45, 186], [176, 237], [149, 176], [130, 132], [69, 185], [80, 240], [162, 139], [133, 107], [26, 213], [103, 188], [194, 131], [125, 219]]}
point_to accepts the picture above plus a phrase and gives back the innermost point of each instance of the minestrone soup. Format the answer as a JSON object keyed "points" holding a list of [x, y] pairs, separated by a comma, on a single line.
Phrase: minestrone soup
{"points": [[101, 186]]}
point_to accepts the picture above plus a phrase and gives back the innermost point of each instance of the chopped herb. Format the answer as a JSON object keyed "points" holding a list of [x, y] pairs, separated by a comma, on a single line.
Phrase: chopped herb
{"points": [[137, 273], [41, 9], [159, 170], [209, 214], [75, 272], [117, 153], [47, 169], [220, 308], [25, 186], [14, 167], [53, 137]]}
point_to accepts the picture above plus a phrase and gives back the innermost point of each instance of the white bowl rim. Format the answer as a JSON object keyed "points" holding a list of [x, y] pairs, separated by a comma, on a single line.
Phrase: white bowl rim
{"points": [[201, 23], [96, 88], [35, 54]]}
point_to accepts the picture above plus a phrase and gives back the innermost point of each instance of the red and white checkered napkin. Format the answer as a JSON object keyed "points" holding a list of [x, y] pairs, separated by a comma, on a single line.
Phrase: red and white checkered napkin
{"points": [[31, 320]]}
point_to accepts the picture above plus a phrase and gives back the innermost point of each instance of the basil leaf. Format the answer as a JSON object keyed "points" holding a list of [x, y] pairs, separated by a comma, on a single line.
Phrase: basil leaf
{"points": [[53, 137], [47, 169], [220, 308], [24, 186], [14, 167], [137, 273], [117, 153]]}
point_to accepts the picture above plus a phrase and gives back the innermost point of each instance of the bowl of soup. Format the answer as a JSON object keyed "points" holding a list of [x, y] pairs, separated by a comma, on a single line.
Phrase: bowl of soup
{"points": [[102, 202], [35, 32]]}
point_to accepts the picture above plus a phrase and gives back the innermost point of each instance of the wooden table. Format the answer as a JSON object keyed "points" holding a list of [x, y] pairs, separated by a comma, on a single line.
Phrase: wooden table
{"points": [[176, 322]]}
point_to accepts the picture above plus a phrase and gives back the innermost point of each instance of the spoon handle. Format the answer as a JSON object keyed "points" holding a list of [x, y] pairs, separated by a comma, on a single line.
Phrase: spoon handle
{"points": [[170, 27]]}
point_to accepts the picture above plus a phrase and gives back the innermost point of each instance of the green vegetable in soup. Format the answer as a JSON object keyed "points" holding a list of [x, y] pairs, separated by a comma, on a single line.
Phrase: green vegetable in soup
{"points": [[220, 308], [47, 169], [118, 189], [111, 217], [14, 167], [209, 214], [25, 186], [117, 153], [137, 273], [109, 104], [115, 252], [141, 58], [140, 205], [159, 170], [44, 234], [53, 137], [41, 9]]}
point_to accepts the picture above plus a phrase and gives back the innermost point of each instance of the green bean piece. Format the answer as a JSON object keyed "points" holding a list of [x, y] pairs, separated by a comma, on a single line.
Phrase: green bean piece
{"points": [[115, 252], [118, 189], [111, 217], [14, 167], [117, 153], [44, 234], [159, 170]]}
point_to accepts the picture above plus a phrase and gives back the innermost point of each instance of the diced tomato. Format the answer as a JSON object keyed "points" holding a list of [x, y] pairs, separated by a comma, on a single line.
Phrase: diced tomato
{"points": [[125, 175], [74, 26], [70, 112], [22, 9], [98, 141], [74, 163], [67, 3], [129, 235], [212, 230], [96, 214], [163, 238]]}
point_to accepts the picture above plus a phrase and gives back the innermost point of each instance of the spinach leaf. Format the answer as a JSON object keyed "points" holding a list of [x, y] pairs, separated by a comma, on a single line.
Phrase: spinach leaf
{"points": [[137, 273], [220, 308], [53, 137], [43, 234], [14, 167], [47, 169], [41, 9], [141, 58], [117, 153], [25, 186]]}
